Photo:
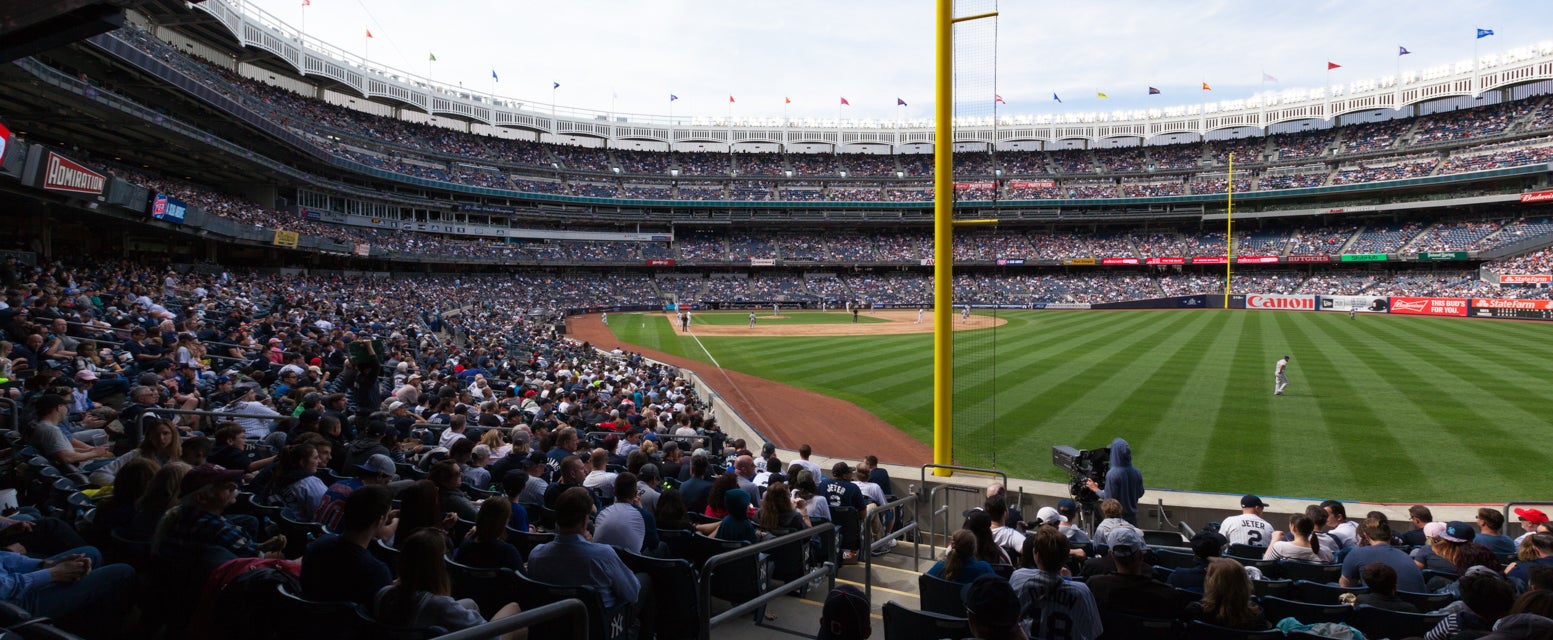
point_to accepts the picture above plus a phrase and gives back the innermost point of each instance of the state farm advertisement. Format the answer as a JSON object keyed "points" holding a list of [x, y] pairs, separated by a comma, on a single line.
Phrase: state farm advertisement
{"points": [[1154, 261], [1411, 306], [1537, 196], [1256, 260], [1280, 302], [1360, 304], [1118, 261], [1526, 279], [1501, 303]]}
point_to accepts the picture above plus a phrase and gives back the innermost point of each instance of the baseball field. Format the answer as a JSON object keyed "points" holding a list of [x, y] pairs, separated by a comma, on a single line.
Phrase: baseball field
{"points": [[1380, 408]]}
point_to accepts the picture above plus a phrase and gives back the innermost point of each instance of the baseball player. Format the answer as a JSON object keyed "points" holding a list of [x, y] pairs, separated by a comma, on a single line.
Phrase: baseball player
{"points": [[1353, 311], [965, 313], [752, 319], [776, 310], [684, 321], [605, 318], [1281, 376], [919, 315]]}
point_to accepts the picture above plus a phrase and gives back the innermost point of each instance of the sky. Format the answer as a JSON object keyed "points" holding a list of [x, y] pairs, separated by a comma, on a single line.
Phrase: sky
{"points": [[628, 57]]}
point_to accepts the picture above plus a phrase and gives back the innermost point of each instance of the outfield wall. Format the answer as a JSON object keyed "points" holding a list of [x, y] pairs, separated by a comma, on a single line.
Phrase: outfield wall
{"points": [[1505, 308]]}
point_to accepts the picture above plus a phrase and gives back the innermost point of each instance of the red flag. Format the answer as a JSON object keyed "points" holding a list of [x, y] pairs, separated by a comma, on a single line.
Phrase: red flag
{"points": [[730, 99], [999, 99], [1205, 87], [369, 33], [844, 101], [307, 3], [1332, 65], [787, 100]]}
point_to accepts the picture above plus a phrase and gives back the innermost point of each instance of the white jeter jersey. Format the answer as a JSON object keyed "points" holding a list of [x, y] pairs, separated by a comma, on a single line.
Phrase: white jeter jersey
{"points": [[1248, 529]]}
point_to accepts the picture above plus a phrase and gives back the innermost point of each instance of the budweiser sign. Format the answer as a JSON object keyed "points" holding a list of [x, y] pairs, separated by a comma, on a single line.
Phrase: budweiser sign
{"points": [[1278, 301], [1537, 196], [64, 174], [1526, 279], [1500, 303], [1407, 305]]}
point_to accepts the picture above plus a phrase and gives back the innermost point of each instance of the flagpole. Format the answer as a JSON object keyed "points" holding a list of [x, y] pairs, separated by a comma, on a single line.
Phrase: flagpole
{"points": [[1229, 230], [1477, 71], [303, 31]]}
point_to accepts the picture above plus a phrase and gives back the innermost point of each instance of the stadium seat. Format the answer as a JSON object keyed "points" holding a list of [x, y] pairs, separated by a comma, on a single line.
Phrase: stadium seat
{"points": [[525, 541], [851, 536], [1120, 626], [1199, 630], [388, 555], [1162, 574], [602, 624], [1245, 551], [1376, 622], [369, 629], [1310, 571], [940, 596], [491, 589], [1321, 593], [1173, 559], [738, 581], [674, 591], [299, 617], [11, 613], [1270, 568], [1279, 608], [298, 535], [1163, 538], [41, 629], [901, 623], [1427, 601], [1276, 588]]}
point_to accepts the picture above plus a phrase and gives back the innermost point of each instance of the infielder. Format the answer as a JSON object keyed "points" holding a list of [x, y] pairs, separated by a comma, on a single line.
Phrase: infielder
{"points": [[965, 313], [605, 318], [684, 321], [776, 310], [919, 315], [752, 319], [1280, 376]]}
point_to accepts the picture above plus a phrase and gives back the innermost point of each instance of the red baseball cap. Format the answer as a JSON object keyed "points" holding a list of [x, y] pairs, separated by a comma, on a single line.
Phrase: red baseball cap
{"points": [[1531, 516]]}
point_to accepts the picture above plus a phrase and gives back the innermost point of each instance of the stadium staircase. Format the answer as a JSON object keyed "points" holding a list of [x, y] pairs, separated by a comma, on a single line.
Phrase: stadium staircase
{"points": [[1352, 239]]}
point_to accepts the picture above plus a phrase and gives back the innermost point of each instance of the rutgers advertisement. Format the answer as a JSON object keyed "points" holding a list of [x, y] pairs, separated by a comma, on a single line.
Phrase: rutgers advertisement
{"points": [[1411, 306], [1280, 302]]}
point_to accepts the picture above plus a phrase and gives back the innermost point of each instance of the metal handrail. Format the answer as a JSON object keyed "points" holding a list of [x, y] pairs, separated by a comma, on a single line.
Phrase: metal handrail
{"points": [[933, 494], [156, 412], [704, 583], [868, 541], [572, 607]]}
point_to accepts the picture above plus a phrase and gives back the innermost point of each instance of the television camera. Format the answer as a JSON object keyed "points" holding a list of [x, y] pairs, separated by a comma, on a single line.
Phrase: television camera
{"points": [[1083, 465]]}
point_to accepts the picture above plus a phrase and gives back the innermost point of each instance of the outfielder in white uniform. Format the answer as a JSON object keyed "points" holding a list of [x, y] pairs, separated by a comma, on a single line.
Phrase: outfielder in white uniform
{"points": [[605, 318], [919, 315], [1248, 528], [752, 319], [1280, 376]]}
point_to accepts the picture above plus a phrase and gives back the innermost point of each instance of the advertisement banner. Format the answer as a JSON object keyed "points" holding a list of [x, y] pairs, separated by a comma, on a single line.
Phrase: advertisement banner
{"points": [[1280, 302], [973, 185], [5, 140], [1002, 262], [1082, 262], [763, 262], [286, 238], [1033, 184], [1209, 260], [1364, 257], [167, 208], [660, 262], [1412, 306], [1256, 260], [1542, 278], [1165, 261], [1443, 255], [1065, 305], [1502, 303], [1307, 259], [1361, 304], [1119, 261], [64, 174], [363, 249], [927, 262], [1537, 196]]}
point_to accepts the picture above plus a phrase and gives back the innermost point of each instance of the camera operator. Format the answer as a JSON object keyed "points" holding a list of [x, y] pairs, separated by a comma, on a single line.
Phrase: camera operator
{"points": [[1123, 482]]}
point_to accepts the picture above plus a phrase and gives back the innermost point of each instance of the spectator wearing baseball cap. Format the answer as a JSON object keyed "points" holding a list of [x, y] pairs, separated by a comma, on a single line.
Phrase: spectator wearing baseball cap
{"points": [[840, 492], [378, 469], [992, 608], [845, 616], [1068, 508], [196, 523], [1131, 589], [1530, 519], [1425, 556], [1206, 545], [1248, 528]]}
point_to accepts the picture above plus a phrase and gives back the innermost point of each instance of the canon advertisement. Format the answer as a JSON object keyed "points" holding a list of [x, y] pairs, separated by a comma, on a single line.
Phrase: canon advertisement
{"points": [[1361, 304], [1413, 306], [1519, 309], [1280, 302]]}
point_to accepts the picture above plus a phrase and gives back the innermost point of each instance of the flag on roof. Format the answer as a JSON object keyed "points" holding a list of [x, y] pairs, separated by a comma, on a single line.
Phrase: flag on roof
{"points": [[555, 85], [1054, 97], [1402, 51], [787, 100], [899, 102], [1205, 87], [1101, 95], [1484, 33], [1267, 77], [673, 97], [369, 33], [844, 101], [1153, 91], [1332, 65], [433, 57], [999, 99], [493, 76], [730, 99]]}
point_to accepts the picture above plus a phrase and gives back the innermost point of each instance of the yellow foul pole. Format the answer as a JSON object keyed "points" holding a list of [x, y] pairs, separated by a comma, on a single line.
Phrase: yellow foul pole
{"points": [[1229, 229], [943, 241]]}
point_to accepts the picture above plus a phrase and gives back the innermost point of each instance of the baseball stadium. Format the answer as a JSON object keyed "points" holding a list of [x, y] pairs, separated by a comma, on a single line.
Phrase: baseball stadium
{"points": [[301, 343]]}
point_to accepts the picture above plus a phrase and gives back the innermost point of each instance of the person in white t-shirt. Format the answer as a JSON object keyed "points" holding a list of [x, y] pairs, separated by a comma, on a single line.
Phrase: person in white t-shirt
{"points": [[1343, 530], [1248, 528], [803, 461], [1280, 376]]}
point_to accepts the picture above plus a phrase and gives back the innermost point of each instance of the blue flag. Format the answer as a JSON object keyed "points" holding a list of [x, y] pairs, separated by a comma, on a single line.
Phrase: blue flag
{"points": [[557, 85], [1054, 97], [899, 102], [1402, 51], [1484, 33], [673, 97], [493, 76], [1152, 92]]}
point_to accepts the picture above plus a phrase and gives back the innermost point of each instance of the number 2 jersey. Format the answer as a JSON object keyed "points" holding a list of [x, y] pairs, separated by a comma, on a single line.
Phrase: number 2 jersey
{"points": [[1247, 529]]}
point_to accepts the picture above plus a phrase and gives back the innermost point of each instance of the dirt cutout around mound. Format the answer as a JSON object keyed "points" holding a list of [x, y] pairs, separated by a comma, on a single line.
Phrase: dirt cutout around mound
{"points": [[896, 322], [788, 415]]}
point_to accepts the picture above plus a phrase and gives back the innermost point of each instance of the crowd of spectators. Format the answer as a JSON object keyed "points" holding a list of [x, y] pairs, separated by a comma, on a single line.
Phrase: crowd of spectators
{"points": [[1152, 189], [1538, 262], [1304, 145], [1326, 240], [1384, 238], [1416, 166], [1477, 122], [1374, 136], [1298, 179], [1454, 236]]}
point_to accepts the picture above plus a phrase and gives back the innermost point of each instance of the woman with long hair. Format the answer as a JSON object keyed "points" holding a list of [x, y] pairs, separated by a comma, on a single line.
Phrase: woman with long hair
{"points": [[420, 507], [160, 495], [422, 598], [487, 546], [670, 511], [118, 509], [1302, 543], [295, 488], [960, 563], [716, 501], [498, 445], [160, 444], [1226, 599], [806, 492], [988, 549], [777, 510]]}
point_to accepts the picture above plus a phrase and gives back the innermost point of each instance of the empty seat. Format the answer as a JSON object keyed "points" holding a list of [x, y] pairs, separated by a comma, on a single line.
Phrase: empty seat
{"points": [[901, 623], [940, 596], [1376, 622]]}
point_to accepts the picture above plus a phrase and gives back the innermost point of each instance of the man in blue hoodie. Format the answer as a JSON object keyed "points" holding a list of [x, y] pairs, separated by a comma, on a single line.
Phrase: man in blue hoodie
{"points": [[1123, 482]]}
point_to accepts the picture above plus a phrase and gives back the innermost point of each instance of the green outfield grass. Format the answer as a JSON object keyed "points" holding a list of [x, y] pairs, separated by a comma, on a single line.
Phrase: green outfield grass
{"points": [[1384, 408], [763, 318]]}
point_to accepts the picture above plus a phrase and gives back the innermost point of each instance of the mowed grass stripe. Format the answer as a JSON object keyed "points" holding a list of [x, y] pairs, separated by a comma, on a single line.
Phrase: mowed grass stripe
{"points": [[1464, 347], [1509, 380]]}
